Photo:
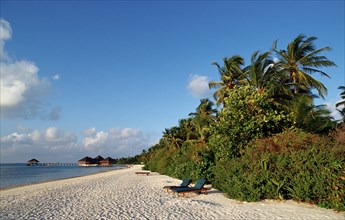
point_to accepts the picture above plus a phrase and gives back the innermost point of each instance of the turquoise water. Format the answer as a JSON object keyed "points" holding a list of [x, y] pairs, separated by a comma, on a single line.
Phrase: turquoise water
{"points": [[18, 174]]}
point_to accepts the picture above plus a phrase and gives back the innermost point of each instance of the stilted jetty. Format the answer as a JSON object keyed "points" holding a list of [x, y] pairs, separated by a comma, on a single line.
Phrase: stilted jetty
{"points": [[34, 162], [59, 164], [98, 161], [53, 164]]}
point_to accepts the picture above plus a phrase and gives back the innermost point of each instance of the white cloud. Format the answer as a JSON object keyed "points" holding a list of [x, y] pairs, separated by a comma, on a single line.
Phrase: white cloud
{"points": [[18, 80], [57, 145], [116, 142], [334, 112], [96, 142], [52, 134], [5, 34], [49, 145], [90, 131], [22, 89], [198, 86]]}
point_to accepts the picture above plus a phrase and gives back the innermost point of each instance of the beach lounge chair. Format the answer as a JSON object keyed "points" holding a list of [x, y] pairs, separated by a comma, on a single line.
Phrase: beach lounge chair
{"points": [[198, 188], [143, 173], [185, 183]]}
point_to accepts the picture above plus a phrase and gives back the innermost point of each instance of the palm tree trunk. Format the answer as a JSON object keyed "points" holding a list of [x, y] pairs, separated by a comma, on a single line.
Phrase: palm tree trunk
{"points": [[294, 78]]}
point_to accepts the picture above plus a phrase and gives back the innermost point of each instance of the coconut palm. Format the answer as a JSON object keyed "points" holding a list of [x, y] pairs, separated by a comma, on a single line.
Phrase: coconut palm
{"points": [[231, 74], [302, 59], [263, 72], [205, 111], [341, 103], [342, 95], [265, 75], [188, 128], [203, 118], [312, 118], [173, 136]]}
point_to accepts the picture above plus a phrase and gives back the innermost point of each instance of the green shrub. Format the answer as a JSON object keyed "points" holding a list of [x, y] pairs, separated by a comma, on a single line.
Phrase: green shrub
{"points": [[246, 115], [291, 165]]}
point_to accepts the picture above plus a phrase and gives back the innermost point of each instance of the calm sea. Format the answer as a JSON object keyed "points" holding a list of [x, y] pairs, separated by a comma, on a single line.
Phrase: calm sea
{"points": [[18, 174]]}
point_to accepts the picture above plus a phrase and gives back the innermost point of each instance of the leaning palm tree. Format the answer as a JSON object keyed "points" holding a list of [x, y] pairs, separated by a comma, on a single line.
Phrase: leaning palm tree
{"points": [[302, 59], [231, 74]]}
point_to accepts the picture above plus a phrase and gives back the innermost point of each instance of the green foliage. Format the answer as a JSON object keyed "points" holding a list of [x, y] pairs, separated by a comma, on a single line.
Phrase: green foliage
{"points": [[291, 165], [160, 158], [246, 115], [242, 151], [311, 118]]}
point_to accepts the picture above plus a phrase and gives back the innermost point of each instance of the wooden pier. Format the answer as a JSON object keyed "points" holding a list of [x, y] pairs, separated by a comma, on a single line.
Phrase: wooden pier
{"points": [[54, 164]]}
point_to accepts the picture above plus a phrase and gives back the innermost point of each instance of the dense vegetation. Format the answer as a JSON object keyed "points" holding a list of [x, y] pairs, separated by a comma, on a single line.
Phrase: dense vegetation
{"points": [[264, 138]]}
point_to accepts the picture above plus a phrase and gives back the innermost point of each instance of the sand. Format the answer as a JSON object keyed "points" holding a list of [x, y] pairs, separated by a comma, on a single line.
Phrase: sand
{"points": [[120, 194]]}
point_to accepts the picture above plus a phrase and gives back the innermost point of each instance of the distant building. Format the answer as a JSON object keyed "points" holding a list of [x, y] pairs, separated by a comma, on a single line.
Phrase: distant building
{"points": [[107, 161], [86, 161], [32, 162], [97, 161]]}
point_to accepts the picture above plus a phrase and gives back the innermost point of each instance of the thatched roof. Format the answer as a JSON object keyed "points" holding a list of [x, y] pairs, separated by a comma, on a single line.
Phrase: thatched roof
{"points": [[108, 160], [86, 159], [98, 158], [33, 161]]}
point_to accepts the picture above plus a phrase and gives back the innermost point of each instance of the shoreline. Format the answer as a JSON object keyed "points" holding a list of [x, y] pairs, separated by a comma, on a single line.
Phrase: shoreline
{"points": [[121, 194], [84, 171], [55, 180]]}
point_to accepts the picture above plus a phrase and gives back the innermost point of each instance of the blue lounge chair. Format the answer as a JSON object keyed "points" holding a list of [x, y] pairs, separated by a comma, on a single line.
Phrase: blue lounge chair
{"points": [[198, 188], [185, 183]]}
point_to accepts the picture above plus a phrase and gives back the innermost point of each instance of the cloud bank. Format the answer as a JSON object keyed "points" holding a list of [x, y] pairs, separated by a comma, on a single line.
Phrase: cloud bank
{"points": [[56, 145], [115, 141], [198, 86], [22, 89], [51, 145]]}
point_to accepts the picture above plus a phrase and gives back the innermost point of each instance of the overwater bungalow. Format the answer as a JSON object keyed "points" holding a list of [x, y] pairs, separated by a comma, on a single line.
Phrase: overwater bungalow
{"points": [[107, 161], [98, 159], [32, 162], [86, 161]]}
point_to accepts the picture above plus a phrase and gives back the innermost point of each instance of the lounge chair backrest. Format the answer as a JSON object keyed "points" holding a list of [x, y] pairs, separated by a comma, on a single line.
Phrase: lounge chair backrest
{"points": [[200, 183], [186, 182]]}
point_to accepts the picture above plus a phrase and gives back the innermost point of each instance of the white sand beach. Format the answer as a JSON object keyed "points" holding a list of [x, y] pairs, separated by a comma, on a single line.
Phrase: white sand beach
{"points": [[120, 194]]}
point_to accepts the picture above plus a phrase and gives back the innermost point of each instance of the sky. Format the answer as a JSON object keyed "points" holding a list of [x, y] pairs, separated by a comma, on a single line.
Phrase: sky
{"points": [[87, 78]]}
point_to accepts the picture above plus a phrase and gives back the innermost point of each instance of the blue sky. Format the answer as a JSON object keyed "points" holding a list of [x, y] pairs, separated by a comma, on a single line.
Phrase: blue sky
{"points": [[106, 77]]}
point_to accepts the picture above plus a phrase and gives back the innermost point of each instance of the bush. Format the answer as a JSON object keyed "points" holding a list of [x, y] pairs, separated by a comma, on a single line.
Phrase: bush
{"points": [[246, 115], [291, 165]]}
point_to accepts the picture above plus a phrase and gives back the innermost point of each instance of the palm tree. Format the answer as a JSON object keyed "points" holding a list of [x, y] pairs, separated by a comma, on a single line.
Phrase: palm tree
{"points": [[265, 76], [203, 118], [342, 102], [302, 59], [173, 136], [342, 95], [262, 73], [312, 118], [231, 74], [188, 127]]}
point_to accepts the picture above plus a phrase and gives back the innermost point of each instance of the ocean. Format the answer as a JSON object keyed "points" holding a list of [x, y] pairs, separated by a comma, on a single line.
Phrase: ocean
{"points": [[18, 174]]}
